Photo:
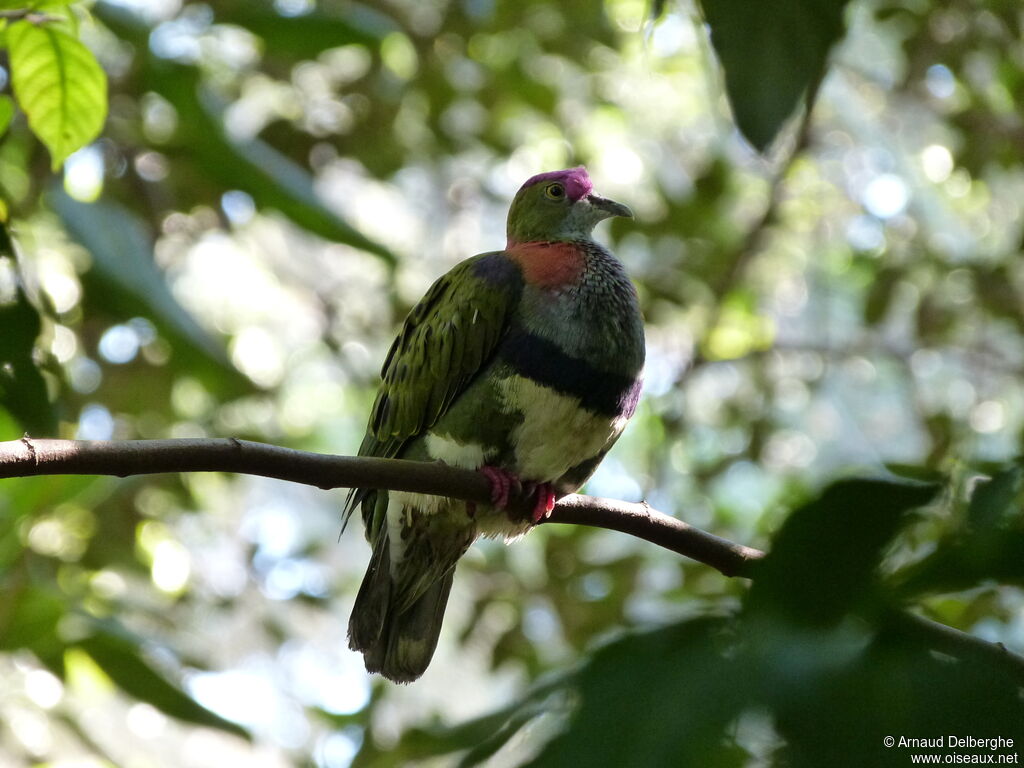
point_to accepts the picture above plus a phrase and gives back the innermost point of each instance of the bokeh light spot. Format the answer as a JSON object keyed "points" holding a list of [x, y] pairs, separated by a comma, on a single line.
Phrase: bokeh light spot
{"points": [[171, 566], [83, 174], [886, 196], [119, 344], [937, 162], [95, 423]]}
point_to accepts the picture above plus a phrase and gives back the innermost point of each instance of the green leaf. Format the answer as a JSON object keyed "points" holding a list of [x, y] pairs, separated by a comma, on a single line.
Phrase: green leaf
{"points": [[35, 5], [22, 387], [894, 688], [131, 284], [6, 112], [660, 698], [123, 251], [60, 86], [996, 290], [28, 619], [24, 497], [481, 736], [680, 696], [994, 499], [916, 472], [880, 295], [691, 689], [121, 659], [990, 547], [272, 179], [772, 53], [822, 562], [305, 36]]}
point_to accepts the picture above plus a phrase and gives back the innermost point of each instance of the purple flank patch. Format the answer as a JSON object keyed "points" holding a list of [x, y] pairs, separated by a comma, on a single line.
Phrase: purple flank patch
{"points": [[630, 398], [577, 182]]}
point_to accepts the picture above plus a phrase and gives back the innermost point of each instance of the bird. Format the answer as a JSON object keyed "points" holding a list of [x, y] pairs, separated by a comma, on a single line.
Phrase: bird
{"points": [[524, 364]]}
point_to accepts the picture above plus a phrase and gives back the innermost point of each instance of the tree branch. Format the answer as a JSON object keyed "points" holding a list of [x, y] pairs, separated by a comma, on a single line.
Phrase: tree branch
{"points": [[28, 457]]}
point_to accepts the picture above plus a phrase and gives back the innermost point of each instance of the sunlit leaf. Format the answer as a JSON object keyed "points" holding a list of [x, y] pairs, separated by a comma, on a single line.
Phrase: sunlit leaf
{"points": [[122, 661], [35, 5], [772, 53], [60, 86], [6, 112]]}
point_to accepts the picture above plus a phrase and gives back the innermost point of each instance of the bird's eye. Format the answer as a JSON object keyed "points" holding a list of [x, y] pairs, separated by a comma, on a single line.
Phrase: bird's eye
{"points": [[554, 191]]}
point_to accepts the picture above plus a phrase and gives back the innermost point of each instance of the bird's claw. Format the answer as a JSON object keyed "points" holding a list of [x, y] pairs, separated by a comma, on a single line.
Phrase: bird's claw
{"points": [[502, 483], [506, 485], [544, 504]]}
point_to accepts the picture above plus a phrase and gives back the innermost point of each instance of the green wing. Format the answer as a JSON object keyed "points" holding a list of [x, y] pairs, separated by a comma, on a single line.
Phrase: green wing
{"points": [[446, 340]]}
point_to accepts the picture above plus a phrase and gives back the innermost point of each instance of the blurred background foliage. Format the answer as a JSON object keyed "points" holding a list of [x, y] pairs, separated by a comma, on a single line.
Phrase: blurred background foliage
{"points": [[278, 182]]}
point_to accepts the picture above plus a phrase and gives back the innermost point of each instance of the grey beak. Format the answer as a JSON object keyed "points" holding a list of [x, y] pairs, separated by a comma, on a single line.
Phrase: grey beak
{"points": [[610, 207]]}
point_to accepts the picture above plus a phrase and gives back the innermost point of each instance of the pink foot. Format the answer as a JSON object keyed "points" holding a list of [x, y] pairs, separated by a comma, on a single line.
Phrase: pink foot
{"points": [[544, 504], [502, 482], [505, 485]]}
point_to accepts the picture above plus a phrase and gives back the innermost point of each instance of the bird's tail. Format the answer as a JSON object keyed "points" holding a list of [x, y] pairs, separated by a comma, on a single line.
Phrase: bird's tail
{"points": [[396, 640]]}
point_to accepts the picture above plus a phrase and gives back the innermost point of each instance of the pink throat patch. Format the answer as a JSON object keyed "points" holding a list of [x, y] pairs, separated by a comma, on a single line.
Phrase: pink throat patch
{"points": [[577, 182], [548, 265]]}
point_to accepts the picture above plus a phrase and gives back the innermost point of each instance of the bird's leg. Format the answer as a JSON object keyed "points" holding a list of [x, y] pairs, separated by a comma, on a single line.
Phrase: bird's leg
{"points": [[505, 485], [544, 500], [544, 504], [502, 483]]}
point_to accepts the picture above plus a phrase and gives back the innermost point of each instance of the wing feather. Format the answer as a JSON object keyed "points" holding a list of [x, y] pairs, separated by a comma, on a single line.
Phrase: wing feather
{"points": [[447, 338]]}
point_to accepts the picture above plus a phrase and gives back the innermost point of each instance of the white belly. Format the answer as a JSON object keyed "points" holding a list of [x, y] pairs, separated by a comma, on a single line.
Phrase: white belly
{"points": [[556, 434]]}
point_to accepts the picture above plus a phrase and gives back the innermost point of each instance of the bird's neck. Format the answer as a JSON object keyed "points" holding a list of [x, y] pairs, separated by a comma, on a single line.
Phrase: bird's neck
{"points": [[577, 295], [549, 264]]}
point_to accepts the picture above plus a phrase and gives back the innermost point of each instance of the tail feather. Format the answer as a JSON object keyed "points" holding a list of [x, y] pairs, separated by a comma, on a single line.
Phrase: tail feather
{"points": [[412, 634], [398, 644], [370, 611]]}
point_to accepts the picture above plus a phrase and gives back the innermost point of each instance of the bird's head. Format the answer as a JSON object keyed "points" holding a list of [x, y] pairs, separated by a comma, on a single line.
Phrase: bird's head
{"points": [[558, 205]]}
